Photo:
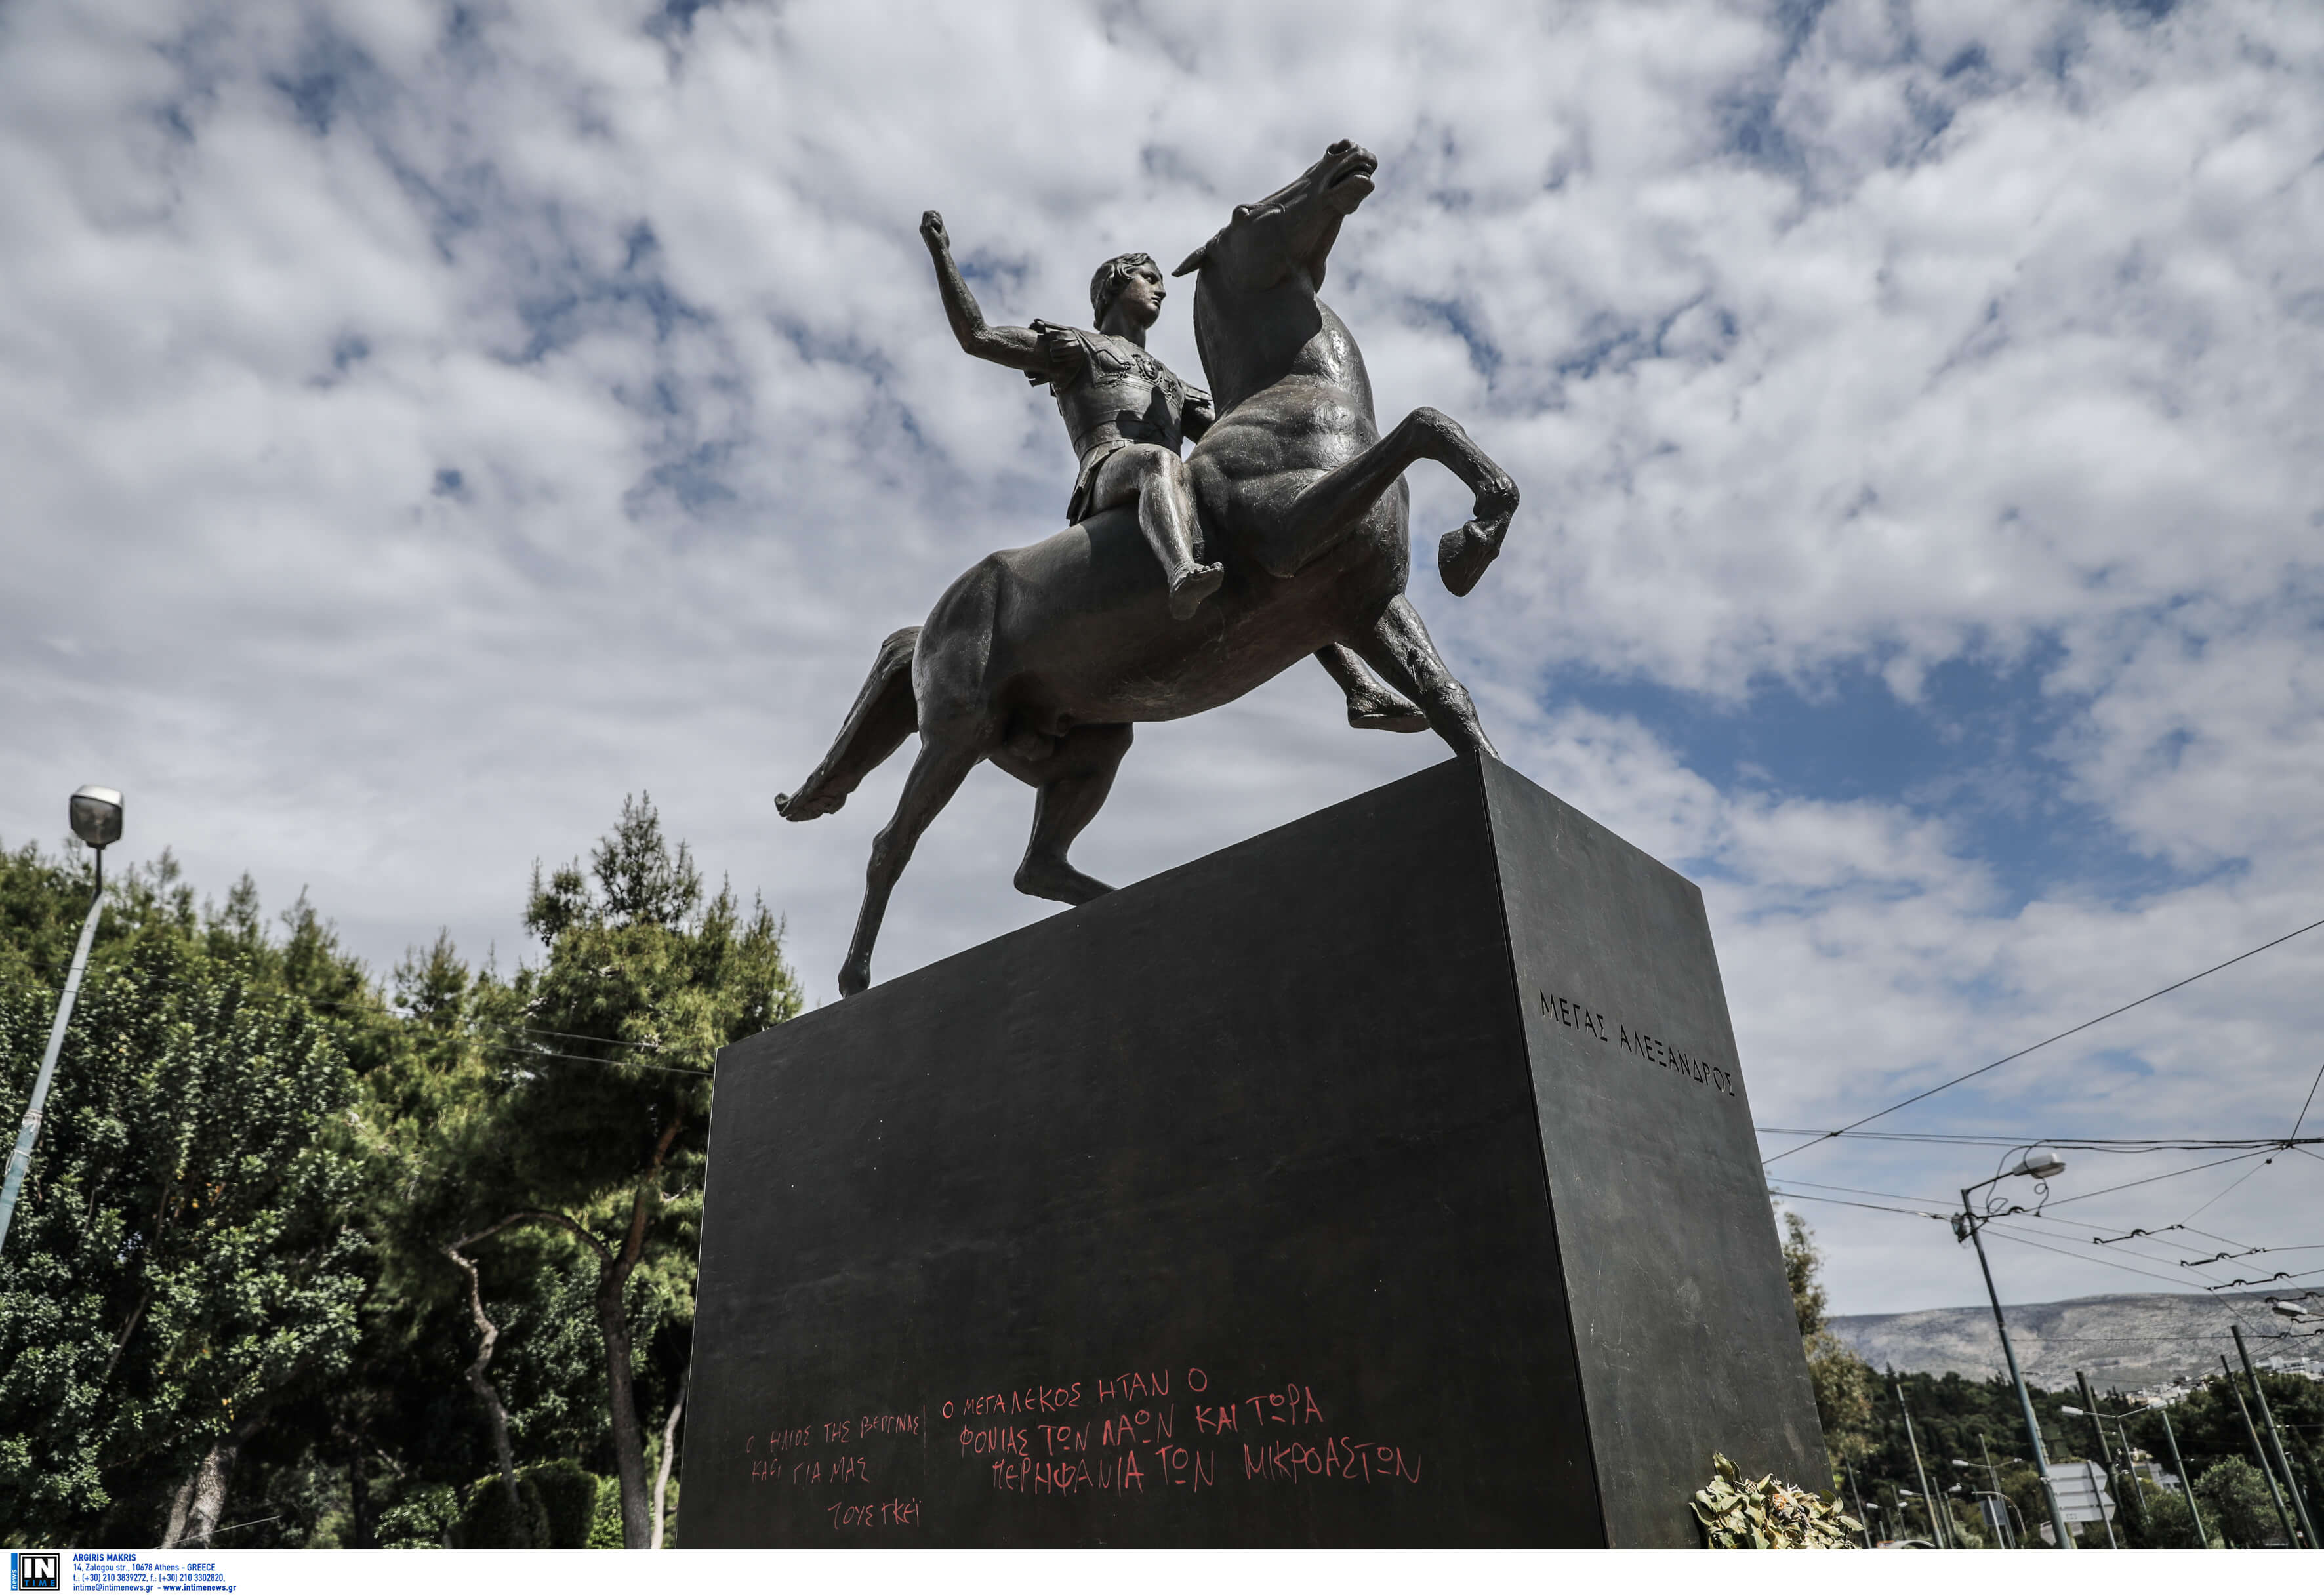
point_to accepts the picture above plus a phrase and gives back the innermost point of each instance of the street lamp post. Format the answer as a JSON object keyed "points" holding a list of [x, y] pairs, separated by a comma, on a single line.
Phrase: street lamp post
{"points": [[1927, 1501], [2259, 1452], [2098, 1422], [2009, 1509], [2291, 1484], [96, 816], [1969, 1227], [2179, 1465]]}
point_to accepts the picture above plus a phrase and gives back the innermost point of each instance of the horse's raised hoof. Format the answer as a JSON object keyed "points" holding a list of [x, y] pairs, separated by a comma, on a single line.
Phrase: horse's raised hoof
{"points": [[1191, 586], [803, 805], [1463, 553], [1055, 880], [1385, 712], [855, 975]]}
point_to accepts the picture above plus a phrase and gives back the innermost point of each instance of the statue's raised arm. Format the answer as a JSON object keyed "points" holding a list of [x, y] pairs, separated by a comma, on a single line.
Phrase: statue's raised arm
{"points": [[1022, 347]]}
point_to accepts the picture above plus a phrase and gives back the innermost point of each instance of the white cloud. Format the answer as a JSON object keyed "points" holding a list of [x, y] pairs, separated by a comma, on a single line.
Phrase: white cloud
{"points": [[423, 427]]}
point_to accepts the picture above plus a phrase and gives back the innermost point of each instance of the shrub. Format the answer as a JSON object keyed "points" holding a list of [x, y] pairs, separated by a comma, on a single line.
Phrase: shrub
{"points": [[568, 1495]]}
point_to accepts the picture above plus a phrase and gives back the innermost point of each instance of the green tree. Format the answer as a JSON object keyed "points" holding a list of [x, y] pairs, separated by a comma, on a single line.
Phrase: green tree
{"points": [[1844, 1383], [179, 1268], [2235, 1502], [600, 1112]]}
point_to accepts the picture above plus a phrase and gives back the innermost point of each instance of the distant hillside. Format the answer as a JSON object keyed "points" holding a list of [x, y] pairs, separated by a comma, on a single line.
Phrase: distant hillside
{"points": [[2128, 1341]]}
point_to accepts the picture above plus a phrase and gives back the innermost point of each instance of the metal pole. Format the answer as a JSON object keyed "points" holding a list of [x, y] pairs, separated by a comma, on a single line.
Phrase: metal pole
{"points": [[2291, 1484], [1986, 1452], [1862, 1517], [2024, 1402], [2259, 1452], [2180, 1465], [21, 1160], [1927, 1501], [2106, 1453], [2130, 1468]]}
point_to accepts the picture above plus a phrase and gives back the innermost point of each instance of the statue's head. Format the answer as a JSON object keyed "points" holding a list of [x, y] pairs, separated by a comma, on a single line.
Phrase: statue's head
{"points": [[1135, 275], [1292, 229]]}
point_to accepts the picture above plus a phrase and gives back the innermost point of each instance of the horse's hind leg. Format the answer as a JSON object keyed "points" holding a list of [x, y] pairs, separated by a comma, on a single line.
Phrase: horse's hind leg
{"points": [[1399, 648], [1371, 707], [947, 754], [1074, 781]]}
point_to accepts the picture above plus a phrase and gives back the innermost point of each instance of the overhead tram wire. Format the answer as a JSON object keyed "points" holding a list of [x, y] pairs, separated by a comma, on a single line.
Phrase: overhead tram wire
{"points": [[522, 1052], [2196, 1266], [2310, 1101], [2009, 1233], [2088, 1144], [1844, 1202], [2004, 1230], [2223, 1191], [2062, 1035], [1992, 1227], [2168, 1174]]}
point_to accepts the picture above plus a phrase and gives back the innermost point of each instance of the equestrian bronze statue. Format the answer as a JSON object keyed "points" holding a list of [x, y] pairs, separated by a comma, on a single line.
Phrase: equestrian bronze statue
{"points": [[1042, 659]]}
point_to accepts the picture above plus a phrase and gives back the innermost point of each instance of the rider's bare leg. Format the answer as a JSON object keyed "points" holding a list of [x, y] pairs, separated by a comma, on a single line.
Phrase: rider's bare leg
{"points": [[1371, 707], [1399, 648], [1154, 479]]}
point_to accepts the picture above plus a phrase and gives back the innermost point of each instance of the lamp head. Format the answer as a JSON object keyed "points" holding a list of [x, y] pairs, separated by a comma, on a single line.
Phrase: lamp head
{"points": [[2073, 1413], [96, 814], [2041, 1165]]}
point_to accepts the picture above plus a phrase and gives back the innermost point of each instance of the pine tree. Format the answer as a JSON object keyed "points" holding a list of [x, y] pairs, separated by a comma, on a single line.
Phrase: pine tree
{"points": [[601, 1112]]}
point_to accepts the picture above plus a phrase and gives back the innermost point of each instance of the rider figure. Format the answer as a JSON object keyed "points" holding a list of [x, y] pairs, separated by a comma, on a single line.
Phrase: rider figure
{"points": [[1126, 410]]}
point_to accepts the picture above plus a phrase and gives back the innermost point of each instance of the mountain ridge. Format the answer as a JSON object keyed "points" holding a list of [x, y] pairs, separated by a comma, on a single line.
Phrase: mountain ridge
{"points": [[2122, 1339]]}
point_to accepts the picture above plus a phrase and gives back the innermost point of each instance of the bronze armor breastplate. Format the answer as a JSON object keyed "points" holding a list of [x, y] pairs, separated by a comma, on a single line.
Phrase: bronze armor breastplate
{"points": [[1124, 395]]}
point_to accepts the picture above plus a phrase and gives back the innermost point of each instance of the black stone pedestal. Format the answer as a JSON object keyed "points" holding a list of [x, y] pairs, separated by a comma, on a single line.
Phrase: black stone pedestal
{"points": [[1383, 1180]]}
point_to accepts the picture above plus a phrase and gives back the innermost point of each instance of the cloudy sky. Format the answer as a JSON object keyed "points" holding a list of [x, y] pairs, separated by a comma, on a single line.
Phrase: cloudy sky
{"points": [[424, 424]]}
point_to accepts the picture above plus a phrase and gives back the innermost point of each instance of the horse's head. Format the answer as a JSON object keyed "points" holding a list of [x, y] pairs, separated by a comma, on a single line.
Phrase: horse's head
{"points": [[1292, 230], [1255, 305]]}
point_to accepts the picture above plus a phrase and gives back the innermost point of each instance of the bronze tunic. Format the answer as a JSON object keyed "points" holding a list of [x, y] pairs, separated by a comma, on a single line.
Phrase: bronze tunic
{"points": [[1115, 394]]}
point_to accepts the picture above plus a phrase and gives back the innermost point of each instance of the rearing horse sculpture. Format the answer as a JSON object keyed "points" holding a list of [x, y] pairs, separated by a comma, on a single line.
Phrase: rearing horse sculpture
{"points": [[1041, 659]]}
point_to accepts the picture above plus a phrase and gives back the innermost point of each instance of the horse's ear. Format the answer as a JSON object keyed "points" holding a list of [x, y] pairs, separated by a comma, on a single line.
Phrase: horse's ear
{"points": [[1193, 262]]}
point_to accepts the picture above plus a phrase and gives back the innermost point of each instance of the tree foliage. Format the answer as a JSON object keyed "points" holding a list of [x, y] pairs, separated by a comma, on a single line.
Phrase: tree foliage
{"points": [[181, 1262], [1843, 1383], [226, 1299]]}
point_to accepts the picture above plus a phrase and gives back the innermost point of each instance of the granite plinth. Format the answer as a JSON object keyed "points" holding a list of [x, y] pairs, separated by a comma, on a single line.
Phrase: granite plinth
{"points": [[1385, 1180]]}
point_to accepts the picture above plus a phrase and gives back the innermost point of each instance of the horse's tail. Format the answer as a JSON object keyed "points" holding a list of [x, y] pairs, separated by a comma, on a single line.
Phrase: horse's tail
{"points": [[884, 714]]}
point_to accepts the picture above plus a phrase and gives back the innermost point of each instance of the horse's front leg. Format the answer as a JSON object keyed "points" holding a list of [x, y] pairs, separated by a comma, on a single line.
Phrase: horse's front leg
{"points": [[1332, 506]]}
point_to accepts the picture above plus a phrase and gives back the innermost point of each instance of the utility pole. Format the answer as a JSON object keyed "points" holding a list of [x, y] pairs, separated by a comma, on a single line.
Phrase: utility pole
{"points": [[2259, 1452], [1927, 1501], [2024, 1401], [2291, 1483], [2106, 1453], [2179, 1464]]}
